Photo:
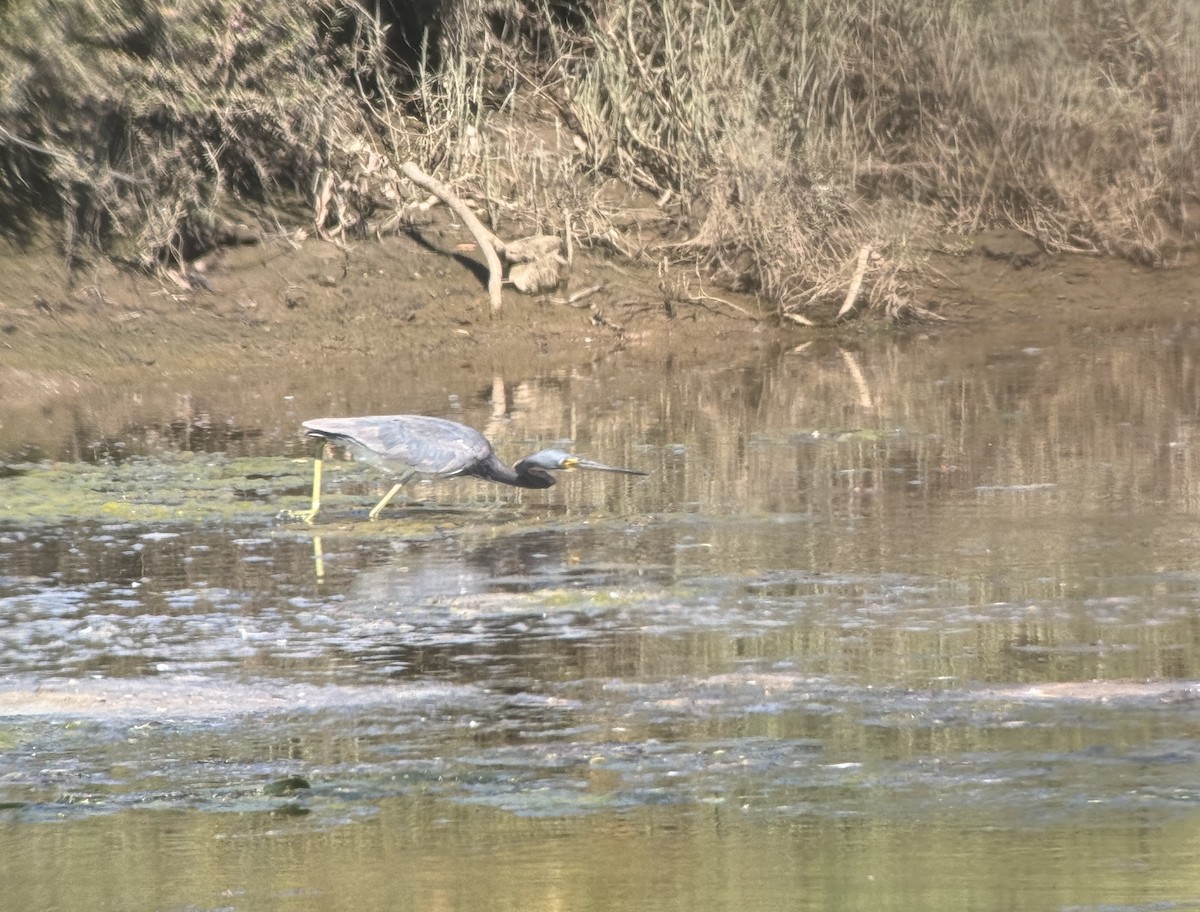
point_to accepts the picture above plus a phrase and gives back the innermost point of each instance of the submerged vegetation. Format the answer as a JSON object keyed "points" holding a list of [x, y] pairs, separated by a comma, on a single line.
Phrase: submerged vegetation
{"points": [[809, 152]]}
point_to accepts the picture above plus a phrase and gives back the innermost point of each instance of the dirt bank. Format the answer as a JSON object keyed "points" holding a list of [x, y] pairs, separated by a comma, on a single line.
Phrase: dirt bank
{"points": [[394, 298], [313, 303]]}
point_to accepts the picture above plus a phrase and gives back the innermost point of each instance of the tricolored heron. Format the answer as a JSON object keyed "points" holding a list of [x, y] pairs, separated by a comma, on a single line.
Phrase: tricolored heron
{"points": [[412, 445]]}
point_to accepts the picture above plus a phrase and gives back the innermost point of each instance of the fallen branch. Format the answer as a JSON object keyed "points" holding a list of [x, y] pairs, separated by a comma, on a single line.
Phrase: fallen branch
{"points": [[575, 297], [486, 240], [864, 257], [536, 261]]}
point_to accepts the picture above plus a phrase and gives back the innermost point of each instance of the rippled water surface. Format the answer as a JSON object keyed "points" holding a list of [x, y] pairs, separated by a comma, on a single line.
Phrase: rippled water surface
{"points": [[913, 624]]}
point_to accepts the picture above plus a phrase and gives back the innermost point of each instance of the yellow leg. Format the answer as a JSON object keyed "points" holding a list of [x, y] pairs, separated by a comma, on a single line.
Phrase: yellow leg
{"points": [[318, 467], [310, 514], [386, 497]]}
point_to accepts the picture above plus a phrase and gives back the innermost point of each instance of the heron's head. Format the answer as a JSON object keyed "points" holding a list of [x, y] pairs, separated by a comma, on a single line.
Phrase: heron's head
{"points": [[540, 465]]}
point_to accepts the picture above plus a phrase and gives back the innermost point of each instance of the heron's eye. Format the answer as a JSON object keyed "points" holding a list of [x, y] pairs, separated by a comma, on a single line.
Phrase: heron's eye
{"points": [[570, 462]]}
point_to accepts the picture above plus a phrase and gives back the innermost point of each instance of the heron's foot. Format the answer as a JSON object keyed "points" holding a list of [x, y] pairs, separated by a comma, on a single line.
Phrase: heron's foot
{"points": [[374, 514], [306, 516]]}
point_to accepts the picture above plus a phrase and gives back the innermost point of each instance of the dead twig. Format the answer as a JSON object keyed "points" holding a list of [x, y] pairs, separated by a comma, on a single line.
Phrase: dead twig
{"points": [[705, 296], [574, 298]]}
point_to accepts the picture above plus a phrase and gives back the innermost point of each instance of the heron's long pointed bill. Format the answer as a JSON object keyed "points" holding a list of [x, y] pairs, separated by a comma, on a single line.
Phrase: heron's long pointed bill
{"points": [[578, 462]]}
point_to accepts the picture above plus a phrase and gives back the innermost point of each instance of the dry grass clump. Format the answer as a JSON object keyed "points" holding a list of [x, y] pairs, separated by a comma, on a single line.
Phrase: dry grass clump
{"points": [[138, 123], [1074, 121], [739, 111], [795, 134]]}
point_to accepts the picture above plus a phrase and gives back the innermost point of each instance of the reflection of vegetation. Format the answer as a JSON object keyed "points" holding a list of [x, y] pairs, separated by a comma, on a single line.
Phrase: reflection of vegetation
{"points": [[791, 145]]}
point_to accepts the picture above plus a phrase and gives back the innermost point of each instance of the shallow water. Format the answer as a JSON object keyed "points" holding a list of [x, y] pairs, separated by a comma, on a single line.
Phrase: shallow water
{"points": [[912, 624]]}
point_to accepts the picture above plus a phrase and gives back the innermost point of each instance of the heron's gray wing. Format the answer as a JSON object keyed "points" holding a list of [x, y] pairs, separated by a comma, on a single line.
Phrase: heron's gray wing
{"points": [[430, 446]]}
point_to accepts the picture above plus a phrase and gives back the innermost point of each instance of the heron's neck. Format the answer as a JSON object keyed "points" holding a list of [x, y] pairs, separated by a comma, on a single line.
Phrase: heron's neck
{"points": [[498, 470], [519, 475]]}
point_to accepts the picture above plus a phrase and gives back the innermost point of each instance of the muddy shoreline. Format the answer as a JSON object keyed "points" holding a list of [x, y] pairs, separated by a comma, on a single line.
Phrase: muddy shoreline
{"points": [[69, 339], [401, 295]]}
